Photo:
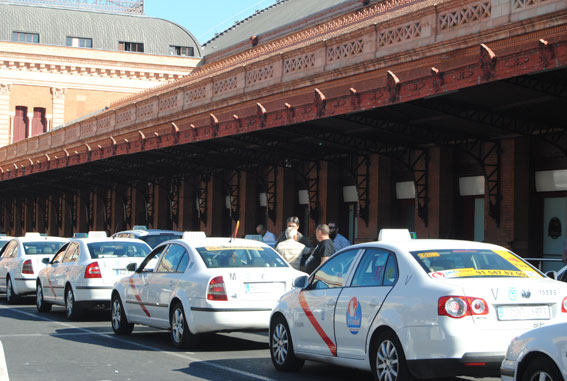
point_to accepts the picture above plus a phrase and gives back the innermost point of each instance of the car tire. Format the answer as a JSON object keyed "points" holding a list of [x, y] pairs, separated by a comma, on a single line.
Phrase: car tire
{"points": [[541, 368], [73, 309], [118, 319], [11, 296], [40, 303], [387, 358], [181, 336], [281, 346]]}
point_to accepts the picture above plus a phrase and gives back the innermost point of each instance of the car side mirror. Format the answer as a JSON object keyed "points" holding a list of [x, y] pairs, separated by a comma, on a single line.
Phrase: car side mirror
{"points": [[131, 267], [301, 282], [551, 274], [45, 261]]}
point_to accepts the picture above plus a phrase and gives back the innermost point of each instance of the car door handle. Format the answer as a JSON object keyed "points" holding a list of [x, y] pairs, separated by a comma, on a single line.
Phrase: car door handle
{"points": [[374, 303]]}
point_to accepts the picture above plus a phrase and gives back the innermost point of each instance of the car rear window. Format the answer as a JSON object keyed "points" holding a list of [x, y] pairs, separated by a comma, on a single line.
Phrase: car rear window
{"points": [[217, 257], [38, 248], [117, 249], [475, 263], [154, 240]]}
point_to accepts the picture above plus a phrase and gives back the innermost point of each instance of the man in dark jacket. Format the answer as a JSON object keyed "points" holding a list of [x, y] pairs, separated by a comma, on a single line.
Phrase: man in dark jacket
{"points": [[293, 222], [322, 251]]}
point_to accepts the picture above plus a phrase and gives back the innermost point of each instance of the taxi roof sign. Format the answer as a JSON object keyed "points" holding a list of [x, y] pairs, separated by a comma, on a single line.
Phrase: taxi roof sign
{"points": [[193, 235], [255, 237], [97, 234], [32, 234], [394, 235], [140, 227], [80, 235]]}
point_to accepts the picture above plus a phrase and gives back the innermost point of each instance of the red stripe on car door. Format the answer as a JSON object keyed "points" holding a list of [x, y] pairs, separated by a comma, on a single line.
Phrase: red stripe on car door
{"points": [[316, 325], [138, 298]]}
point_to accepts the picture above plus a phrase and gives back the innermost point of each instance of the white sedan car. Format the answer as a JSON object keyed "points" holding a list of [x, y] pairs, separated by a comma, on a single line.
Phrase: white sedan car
{"points": [[21, 261], [537, 355], [199, 285], [82, 273], [430, 308]]}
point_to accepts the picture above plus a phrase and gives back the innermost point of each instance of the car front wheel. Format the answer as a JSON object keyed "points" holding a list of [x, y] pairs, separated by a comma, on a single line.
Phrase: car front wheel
{"points": [[281, 346], [120, 324], [388, 360], [181, 336], [11, 296], [40, 303], [542, 369]]}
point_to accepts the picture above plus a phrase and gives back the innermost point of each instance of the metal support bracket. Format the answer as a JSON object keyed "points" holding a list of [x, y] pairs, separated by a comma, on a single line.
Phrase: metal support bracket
{"points": [[174, 191], [361, 172], [201, 200], [234, 194]]}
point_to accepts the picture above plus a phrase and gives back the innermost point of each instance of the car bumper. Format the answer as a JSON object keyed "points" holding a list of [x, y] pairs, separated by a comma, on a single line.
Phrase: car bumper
{"points": [[93, 293], [205, 319], [508, 370], [23, 286], [471, 364]]}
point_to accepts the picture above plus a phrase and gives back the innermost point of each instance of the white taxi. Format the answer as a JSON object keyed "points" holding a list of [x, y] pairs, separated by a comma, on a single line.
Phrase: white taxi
{"points": [[22, 259], [82, 273], [425, 307], [199, 285], [537, 355]]}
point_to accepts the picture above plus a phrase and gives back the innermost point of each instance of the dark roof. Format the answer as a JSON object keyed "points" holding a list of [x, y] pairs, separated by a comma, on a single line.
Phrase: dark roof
{"points": [[54, 25], [281, 18]]}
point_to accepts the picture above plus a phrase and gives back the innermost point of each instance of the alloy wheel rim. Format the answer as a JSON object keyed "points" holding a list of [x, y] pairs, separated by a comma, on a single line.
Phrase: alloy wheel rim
{"points": [[69, 304], [116, 314], [387, 361], [541, 376], [177, 325], [39, 297], [280, 343]]}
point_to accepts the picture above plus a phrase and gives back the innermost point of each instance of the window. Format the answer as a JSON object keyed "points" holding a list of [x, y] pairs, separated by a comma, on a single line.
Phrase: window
{"points": [[21, 124], [114, 249], [185, 51], [370, 271], [334, 272], [174, 260], [131, 46], [25, 37], [79, 42], [39, 122], [72, 253]]}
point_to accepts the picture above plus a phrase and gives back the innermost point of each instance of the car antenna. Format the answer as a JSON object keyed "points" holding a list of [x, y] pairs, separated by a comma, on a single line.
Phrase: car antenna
{"points": [[235, 230]]}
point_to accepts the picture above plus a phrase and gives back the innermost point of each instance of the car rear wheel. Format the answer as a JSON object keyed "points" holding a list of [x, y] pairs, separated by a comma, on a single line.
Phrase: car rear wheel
{"points": [[120, 324], [388, 361], [281, 346], [11, 296], [72, 308], [181, 336], [40, 303], [542, 369]]}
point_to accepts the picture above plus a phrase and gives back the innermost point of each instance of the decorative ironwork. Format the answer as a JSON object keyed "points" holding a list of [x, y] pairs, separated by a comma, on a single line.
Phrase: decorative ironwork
{"points": [[362, 173], [311, 175], [121, 6], [173, 194], [269, 176], [46, 213], [234, 194], [89, 205], [201, 200], [149, 203], [127, 200]]}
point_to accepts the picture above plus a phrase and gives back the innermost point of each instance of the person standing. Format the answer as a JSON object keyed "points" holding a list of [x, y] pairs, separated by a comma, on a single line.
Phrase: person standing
{"points": [[290, 249], [322, 251], [267, 236], [293, 222], [339, 240]]}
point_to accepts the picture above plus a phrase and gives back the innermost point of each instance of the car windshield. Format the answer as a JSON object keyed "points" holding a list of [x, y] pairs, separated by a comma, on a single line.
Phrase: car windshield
{"points": [[154, 240], [215, 257], [35, 248], [475, 263], [118, 249]]}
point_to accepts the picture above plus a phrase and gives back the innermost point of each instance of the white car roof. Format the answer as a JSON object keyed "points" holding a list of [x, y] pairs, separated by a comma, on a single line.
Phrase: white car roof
{"points": [[42, 238], [223, 241], [107, 239], [432, 244], [142, 232]]}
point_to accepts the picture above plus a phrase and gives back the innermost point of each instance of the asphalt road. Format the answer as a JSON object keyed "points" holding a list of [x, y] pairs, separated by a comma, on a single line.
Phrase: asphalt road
{"points": [[49, 347]]}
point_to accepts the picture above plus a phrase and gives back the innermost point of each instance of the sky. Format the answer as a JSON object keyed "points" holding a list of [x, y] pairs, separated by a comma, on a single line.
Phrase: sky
{"points": [[204, 18]]}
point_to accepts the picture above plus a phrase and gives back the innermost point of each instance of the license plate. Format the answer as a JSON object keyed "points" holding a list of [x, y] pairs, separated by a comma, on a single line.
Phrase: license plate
{"points": [[121, 271], [523, 313], [264, 287]]}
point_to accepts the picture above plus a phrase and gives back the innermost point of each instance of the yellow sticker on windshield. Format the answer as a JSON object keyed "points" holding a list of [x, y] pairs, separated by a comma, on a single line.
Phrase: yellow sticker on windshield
{"points": [[431, 254], [518, 263], [470, 272]]}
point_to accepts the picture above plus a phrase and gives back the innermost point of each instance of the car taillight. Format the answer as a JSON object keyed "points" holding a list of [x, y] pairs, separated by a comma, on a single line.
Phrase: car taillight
{"points": [[458, 306], [27, 268], [216, 290], [564, 305], [93, 271]]}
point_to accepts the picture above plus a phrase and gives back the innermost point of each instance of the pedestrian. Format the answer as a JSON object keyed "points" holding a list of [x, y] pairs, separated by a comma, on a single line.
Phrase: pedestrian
{"points": [[322, 251], [292, 250], [267, 236], [293, 222], [339, 240]]}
